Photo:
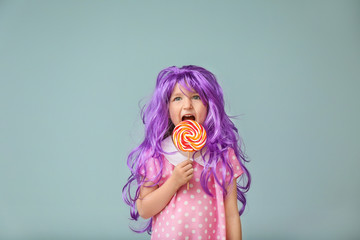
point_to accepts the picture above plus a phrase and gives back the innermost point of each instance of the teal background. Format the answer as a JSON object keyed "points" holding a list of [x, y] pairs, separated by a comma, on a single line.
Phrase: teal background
{"points": [[72, 74]]}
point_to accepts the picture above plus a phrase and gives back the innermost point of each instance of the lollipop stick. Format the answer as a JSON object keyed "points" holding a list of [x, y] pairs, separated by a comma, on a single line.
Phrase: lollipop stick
{"points": [[187, 186]]}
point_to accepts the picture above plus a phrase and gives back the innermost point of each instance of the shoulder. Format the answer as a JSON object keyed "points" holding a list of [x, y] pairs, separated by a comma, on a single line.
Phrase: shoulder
{"points": [[151, 165], [234, 162]]}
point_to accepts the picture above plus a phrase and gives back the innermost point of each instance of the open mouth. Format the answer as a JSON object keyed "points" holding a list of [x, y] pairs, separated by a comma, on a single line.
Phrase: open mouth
{"points": [[188, 117]]}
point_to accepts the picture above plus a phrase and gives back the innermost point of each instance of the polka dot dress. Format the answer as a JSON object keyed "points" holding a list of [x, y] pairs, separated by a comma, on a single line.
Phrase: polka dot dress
{"points": [[192, 214]]}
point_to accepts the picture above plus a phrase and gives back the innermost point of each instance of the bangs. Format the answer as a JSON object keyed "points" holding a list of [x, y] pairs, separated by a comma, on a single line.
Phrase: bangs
{"points": [[190, 82]]}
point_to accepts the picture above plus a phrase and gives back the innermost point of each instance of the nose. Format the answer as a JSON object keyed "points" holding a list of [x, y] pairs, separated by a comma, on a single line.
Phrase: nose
{"points": [[187, 103]]}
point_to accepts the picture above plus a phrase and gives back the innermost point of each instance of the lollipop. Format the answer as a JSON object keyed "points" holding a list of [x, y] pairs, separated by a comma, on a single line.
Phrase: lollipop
{"points": [[189, 136]]}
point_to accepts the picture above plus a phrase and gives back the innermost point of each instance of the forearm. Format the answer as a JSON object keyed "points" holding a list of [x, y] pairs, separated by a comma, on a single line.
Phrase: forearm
{"points": [[155, 201], [233, 228], [233, 223]]}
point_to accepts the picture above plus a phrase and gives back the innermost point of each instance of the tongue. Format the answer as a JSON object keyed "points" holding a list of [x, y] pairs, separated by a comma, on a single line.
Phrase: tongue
{"points": [[188, 118]]}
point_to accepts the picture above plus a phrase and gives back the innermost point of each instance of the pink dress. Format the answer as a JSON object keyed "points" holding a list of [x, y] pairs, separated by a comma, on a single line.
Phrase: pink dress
{"points": [[191, 214]]}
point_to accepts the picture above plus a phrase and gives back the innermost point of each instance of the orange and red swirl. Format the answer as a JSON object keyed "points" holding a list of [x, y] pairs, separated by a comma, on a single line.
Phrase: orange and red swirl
{"points": [[189, 136]]}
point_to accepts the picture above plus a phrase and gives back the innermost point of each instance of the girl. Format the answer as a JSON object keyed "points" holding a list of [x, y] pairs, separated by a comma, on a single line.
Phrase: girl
{"points": [[160, 172]]}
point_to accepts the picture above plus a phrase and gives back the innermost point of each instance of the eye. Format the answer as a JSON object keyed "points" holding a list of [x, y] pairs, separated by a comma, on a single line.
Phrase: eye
{"points": [[196, 97], [177, 99]]}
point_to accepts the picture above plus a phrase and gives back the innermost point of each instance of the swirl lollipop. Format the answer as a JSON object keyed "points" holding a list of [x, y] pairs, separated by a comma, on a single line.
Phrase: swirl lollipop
{"points": [[189, 136]]}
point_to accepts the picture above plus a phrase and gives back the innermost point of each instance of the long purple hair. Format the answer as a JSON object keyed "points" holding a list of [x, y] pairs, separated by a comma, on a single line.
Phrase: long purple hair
{"points": [[221, 135]]}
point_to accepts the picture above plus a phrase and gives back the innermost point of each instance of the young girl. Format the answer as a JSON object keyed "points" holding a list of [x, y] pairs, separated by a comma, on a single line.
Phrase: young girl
{"points": [[160, 172]]}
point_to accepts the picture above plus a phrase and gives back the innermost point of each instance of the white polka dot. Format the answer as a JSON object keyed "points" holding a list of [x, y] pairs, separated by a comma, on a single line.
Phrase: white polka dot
{"points": [[218, 237], [223, 238], [179, 222], [210, 202], [184, 191], [223, 226], [205, 230], [221, 203], [167, 235], [159, 223], [227, 173], [215, 208], [155, 230], [222, 215], [179, 210], [199, 237], [214, 219], [235, 175], [206, 207], [179, 233], [193, 231], [186, 238], [200, 225], [192, 208], [210, 213], [186, 226], [199, 202], [167, 223], [205, 196], [191, 185], [210, 225], [209, 237], [200, 213], [158, 235], [233, 157], [173, 228], [172, 216], [195, 169], [213, 231], [186, 202], [162, 229], [173, 205], [237, 167], [192, 196], [198, 190], [186, 214], [206, 219], [193, 220], [163, 218], [167, 211], [179, 199], [197, 180]]}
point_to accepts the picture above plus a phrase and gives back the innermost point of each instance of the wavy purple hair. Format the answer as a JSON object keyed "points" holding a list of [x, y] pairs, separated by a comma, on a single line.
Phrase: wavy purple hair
{"points": [[221, 135]]}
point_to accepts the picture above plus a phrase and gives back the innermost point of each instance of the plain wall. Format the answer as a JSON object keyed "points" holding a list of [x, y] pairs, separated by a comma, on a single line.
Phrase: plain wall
{"points": [[72, 74]]}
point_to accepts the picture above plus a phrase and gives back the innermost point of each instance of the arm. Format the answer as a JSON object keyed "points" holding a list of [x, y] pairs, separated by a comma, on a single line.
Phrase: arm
{"points": [[233, 223], [153, 199]]}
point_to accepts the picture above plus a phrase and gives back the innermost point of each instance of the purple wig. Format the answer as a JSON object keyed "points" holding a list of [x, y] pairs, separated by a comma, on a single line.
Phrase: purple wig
{"points": [[221, 135]]}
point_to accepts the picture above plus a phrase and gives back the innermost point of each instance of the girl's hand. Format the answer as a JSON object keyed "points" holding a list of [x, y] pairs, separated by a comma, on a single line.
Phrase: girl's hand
{"points": [[153, 199], [182, 173]]}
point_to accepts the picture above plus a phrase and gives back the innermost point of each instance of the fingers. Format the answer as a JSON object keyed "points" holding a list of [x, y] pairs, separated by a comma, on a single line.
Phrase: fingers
{"points": [[186, 168], [184, 163], [183, 172], [189, 172]]}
